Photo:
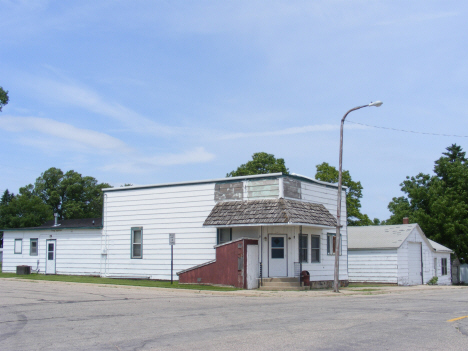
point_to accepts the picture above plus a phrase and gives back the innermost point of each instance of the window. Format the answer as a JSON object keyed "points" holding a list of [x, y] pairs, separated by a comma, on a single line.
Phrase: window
{"points": [[224, 235], [18, 246], [443, 263], [33, 247], [315, 248], [137, 242], [303, 248], [331, 244]]}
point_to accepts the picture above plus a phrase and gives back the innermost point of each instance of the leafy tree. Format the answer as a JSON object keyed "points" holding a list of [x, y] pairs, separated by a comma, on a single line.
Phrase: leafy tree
{"points": [[438, 203], [261, 163], [3, 98], [23, 210], [70, 195], [330, 174]]}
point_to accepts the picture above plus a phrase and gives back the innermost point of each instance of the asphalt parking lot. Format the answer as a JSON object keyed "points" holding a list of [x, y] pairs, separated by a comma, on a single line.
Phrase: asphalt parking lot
{"points": [[44, 315]]}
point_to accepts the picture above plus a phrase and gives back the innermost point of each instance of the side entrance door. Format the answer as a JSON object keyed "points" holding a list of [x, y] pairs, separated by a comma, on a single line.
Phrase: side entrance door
{"points": [[50, 256], [277, 256]]}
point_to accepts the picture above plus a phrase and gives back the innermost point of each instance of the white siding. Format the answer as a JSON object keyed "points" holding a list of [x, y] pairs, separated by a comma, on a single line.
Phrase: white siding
{"points": [[442, 279], [377, 266], [159, 211], [78, 251], [328, 196]]}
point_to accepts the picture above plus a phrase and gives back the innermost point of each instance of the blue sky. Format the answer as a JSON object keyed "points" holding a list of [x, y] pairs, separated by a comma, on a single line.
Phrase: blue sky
{"points": [[151, 92]]}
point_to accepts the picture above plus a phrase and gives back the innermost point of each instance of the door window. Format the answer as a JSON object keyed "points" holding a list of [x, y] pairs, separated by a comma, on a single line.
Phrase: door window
{"points": [[277, 247]]}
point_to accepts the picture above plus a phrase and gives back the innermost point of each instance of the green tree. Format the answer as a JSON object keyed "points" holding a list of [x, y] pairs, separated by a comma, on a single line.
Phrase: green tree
{"points": [[70, 195], [330, 174], [261, 163], [23, 210], [3, 98], [438, 203]]}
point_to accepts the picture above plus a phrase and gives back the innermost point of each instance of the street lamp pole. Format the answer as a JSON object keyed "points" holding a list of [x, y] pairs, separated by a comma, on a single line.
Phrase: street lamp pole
{"points": [[338, 209]]}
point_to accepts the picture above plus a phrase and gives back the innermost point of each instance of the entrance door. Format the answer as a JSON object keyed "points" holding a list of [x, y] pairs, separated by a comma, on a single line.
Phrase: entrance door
{"points": [[277, 257], [50, 258], [414, 264]]}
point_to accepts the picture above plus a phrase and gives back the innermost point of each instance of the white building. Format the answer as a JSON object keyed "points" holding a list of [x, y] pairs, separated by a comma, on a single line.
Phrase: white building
{"points": [[291, 216], [396, 254], [69, 247]]}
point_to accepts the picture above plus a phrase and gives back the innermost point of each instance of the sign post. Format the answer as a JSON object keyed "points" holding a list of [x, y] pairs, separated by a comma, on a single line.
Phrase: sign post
{"points": [[172, 243]]}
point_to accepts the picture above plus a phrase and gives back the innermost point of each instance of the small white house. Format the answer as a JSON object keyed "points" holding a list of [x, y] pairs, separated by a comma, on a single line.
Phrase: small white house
{"points": [[396, 254], [291, 217], [70, 246]]}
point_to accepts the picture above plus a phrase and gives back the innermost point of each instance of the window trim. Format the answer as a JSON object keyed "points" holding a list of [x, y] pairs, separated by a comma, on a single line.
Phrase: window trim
{"points": [[31, 253], [218, 235], [331, 252], [21, 246], [132, 236], [319, 248], [443, 266]]}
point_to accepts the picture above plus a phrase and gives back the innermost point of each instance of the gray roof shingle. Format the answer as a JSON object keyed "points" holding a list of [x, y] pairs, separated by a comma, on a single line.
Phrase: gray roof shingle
{"points": [[269, 211]]}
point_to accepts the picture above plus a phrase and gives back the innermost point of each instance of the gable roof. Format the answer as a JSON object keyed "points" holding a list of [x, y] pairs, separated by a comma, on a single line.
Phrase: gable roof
{"points": [[268, 212], [386, 237], [83, 223], [438, 247], [379, 236]]}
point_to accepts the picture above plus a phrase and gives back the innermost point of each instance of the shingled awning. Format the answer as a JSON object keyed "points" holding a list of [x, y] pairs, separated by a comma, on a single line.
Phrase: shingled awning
{"points": [[268, 212]]}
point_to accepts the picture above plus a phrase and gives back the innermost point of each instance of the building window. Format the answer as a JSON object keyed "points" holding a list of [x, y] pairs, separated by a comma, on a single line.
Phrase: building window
{"points": [[18, 246], [33, 247], [224, 235], [331, 244], [315, 248], [443, 263], [137, 242], [303, 248]]}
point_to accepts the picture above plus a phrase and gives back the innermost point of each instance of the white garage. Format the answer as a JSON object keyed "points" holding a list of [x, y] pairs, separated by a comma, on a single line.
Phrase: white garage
{"points": [[396, 254]]}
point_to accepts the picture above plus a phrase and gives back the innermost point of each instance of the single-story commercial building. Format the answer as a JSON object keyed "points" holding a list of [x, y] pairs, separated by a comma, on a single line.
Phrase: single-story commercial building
{"points": [[289, 219]]}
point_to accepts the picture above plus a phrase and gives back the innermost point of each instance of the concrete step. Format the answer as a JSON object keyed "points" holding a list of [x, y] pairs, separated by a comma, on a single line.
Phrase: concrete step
{"points": [[281, 284]]}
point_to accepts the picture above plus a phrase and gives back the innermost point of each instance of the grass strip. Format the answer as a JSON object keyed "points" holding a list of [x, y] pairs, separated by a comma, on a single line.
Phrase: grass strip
{"points": [[111, 281]]}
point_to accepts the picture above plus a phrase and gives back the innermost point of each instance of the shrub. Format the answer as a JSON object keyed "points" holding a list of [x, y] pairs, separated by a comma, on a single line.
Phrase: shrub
{"points": [[433, 281]]}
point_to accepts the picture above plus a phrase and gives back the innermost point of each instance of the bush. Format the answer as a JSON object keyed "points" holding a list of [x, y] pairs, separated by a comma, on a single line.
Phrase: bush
{"points": [[433, 281]]}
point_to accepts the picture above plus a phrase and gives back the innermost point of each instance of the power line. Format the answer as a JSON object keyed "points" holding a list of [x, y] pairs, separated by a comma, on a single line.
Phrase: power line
{"points": [[409, 131]]}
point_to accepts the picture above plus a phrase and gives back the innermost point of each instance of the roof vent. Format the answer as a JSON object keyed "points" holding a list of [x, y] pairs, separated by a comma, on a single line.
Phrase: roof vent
{"points": [[56, 215]]}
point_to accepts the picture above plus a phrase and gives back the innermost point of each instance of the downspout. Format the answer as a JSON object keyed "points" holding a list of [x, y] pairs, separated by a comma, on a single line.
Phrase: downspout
{"points": [[300, 249], [261, 255]]}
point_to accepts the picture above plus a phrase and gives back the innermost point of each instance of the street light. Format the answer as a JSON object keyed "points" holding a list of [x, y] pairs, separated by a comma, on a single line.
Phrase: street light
{"points": [[338, 209]]}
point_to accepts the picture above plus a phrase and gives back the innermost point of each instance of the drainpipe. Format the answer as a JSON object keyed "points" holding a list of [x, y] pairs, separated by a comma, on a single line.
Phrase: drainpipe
{"points": [[261, 255], [300, 249]]}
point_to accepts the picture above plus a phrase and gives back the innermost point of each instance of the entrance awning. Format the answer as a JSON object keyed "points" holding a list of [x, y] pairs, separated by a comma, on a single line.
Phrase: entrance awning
{"points": [[269, 212]]}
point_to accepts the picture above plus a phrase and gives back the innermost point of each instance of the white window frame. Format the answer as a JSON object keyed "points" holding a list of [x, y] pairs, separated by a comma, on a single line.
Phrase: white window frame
{"points": [[331, 247], [31, 253], [18, 250], [133, 243], [443, 266], [316, 249]]}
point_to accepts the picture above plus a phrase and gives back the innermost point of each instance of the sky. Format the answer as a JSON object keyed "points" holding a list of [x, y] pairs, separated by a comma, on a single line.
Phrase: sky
{"points": [[148, 92]]}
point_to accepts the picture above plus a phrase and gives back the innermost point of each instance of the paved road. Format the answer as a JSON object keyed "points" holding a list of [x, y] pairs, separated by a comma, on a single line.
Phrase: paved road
{"points": [[40, 315]]}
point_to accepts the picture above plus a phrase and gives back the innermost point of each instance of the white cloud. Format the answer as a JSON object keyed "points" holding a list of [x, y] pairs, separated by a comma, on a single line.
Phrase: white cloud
{"points": [[291, 131], [143, 164], [80, 138], [76, 95], [420, 17]]}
